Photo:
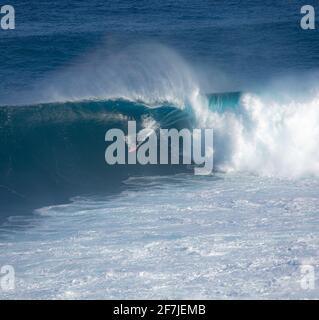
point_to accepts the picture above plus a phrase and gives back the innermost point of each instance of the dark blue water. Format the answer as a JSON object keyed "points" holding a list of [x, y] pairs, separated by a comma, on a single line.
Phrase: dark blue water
{"points": [[237, 45]]}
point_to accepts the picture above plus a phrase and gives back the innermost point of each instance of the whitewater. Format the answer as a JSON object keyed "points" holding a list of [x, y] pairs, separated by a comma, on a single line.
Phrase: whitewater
{"points": [[171, 237]]}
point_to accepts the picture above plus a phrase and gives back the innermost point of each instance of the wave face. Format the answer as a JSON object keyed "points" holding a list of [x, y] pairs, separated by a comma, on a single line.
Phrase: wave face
{"points": [[50, 152]]}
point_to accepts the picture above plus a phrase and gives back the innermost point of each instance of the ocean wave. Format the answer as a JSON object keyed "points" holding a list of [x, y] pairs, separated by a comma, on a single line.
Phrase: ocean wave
{"points": [[53, 151], [53, 139]]}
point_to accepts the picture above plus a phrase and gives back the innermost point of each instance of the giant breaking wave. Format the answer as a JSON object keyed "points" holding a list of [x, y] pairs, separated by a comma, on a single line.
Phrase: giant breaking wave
{"points": [[54, 149]]}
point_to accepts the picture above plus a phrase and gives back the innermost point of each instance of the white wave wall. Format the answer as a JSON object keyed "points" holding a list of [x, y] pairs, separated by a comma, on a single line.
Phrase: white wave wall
{"points": [[266, 137]]}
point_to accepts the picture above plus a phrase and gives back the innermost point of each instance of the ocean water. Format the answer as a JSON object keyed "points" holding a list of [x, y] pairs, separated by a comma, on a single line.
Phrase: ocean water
{"points": [[234, 236], [73, 227]]}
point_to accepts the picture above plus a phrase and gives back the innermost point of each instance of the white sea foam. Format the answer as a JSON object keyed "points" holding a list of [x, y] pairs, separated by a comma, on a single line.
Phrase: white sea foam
{"points": [[183, 237], [267, 137]]}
